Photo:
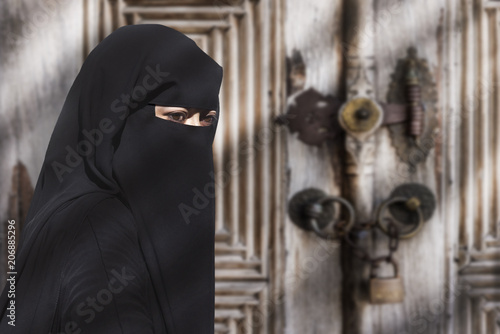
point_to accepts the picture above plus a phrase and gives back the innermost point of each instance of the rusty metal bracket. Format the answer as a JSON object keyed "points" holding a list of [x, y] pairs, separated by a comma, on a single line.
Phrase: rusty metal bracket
{"points": [[413, 85], [314, 116], [409, 113]]}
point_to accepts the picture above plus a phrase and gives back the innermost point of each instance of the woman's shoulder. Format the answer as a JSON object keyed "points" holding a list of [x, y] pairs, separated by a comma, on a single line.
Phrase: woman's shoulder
{"points": [[107, 236], [110, 208], [105, 266], [108, 225]]}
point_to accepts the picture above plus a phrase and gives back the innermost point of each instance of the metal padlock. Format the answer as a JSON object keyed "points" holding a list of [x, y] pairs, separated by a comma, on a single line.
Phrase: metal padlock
{"points": [[386, 290]]}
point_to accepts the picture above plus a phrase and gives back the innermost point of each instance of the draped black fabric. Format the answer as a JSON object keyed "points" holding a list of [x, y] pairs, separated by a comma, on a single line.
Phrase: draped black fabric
{"points": [[120, 232]]}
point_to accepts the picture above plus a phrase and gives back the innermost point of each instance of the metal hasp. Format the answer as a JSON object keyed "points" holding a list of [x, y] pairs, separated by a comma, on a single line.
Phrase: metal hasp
{"points": [[413, 85], [410, 112]]}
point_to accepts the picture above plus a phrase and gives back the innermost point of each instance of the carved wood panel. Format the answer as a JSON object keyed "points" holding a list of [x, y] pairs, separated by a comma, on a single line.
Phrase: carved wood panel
{"points": [[472, 169]]}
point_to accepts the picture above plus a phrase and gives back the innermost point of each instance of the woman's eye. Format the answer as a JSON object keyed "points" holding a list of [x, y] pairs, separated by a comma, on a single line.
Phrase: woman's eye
{"points": [[177, 116], [209, 119]]}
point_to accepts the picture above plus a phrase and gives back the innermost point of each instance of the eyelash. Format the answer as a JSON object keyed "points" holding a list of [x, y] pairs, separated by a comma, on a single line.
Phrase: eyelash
{"points": [[211, 117], [177, 113], [184, 116]]}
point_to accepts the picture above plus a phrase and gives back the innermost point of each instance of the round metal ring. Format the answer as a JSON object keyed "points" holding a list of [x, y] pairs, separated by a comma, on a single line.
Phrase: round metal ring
{"points": [[383, 207], [350, 222]]}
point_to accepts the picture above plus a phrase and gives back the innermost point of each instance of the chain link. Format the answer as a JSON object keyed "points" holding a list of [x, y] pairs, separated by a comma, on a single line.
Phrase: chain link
{"points": [[362, 253]]}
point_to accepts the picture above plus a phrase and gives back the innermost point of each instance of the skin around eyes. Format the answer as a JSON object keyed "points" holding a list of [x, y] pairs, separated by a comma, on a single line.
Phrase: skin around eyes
{"points": [[188, 116]]}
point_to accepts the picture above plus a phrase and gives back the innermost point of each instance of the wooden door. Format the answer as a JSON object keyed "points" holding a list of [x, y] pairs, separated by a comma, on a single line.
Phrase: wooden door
{"points": [[450, 269]]}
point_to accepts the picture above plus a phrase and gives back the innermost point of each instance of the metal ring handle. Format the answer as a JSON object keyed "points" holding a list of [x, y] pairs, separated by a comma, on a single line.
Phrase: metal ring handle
{"points": [[383, 207], [350, 222]]}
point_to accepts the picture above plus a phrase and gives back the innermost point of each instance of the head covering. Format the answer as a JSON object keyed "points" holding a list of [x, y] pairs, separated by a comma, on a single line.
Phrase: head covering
{"points": [[108, 142]]}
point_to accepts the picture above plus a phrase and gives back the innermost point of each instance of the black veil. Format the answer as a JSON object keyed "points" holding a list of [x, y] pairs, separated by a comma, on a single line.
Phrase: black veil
{"points": [[108, 143]]}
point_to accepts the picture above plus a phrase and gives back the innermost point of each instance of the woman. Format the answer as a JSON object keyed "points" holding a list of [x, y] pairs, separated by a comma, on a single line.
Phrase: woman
{"points": [[120, 233]]}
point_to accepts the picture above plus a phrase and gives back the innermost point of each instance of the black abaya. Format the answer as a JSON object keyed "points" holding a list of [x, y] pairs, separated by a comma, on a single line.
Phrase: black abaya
{"points": [[120, 232]]}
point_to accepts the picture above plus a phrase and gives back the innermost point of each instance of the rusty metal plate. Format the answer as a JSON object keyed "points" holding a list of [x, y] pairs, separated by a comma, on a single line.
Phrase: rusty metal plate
{"points": [[414, 150], [313, 116]]}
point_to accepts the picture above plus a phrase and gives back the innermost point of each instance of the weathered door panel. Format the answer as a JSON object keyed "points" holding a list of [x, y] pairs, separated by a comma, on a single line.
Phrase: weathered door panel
{"points": [[312, 279], [423, 258], [472, 153], [450, 268]]}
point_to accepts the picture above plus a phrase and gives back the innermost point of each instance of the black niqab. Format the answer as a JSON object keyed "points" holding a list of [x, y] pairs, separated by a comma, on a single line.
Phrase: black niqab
{"points": [[108, 144]]}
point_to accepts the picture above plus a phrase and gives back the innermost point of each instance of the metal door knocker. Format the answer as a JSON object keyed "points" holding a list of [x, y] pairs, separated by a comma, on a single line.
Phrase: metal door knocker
{"points": [[313, 210], [401, 216], [410, 205]]}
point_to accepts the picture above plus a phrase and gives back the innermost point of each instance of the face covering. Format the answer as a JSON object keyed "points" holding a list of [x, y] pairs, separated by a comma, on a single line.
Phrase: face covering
{"points": [[108, 143], [165, 172]]}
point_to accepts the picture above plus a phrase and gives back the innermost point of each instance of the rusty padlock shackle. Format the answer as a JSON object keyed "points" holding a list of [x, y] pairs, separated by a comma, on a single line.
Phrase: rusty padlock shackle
{"points": [[409, 202], [390, 260], [344, 229]]}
